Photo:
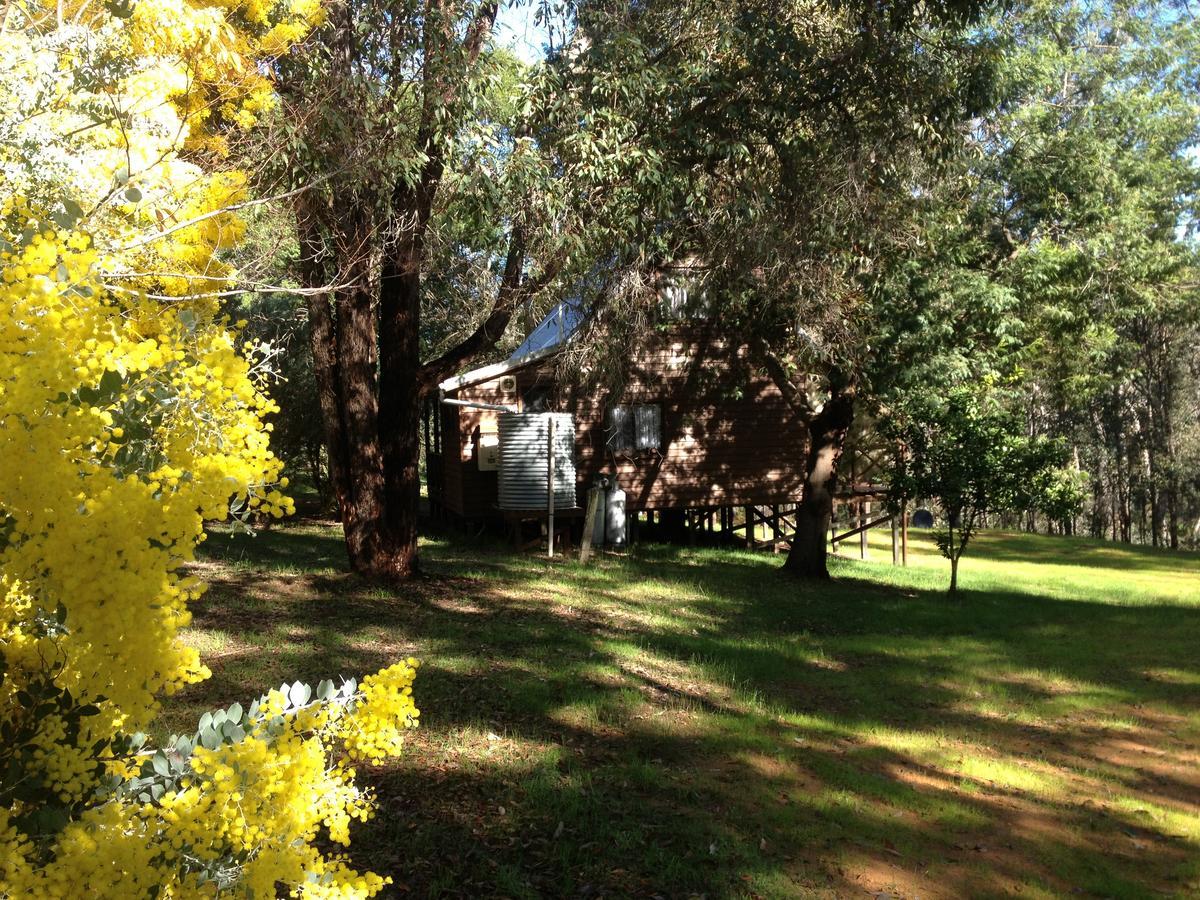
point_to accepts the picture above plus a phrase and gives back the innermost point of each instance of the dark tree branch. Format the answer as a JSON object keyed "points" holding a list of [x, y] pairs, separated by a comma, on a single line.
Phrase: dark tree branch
{"points": [[793, 394], [515, 290]]}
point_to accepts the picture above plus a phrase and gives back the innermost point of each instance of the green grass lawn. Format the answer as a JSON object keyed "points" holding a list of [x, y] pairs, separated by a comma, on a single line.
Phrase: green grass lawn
{"points": [[688, 722]]}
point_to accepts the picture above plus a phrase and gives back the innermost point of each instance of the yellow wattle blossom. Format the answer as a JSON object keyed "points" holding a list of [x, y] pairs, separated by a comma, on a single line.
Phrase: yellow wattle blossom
{"points": [[374, 731], [131, 411]]}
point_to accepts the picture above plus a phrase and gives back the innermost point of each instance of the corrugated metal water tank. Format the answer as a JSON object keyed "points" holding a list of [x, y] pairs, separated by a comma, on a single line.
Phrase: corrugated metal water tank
{"points": [[523, 446]]}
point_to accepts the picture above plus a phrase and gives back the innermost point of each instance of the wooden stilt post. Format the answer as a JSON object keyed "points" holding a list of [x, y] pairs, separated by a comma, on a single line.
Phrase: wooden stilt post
{"points": [[833, 546], [749, 510], [904, 532], [863, 509], [895, 542], [589, 524]]}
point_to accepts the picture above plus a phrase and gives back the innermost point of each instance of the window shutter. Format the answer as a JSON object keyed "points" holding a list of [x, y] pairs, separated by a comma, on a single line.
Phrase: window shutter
{"points": [[619, 432], [647, 427]]}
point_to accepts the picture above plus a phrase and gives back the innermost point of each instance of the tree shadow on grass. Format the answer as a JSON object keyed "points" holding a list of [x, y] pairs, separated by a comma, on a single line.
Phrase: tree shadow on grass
{"points": [[311, 545], [683, 723]]}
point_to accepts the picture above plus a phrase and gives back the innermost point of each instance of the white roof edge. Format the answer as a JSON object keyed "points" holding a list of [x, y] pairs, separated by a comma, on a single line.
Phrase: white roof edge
{"points": [[495, 370]]}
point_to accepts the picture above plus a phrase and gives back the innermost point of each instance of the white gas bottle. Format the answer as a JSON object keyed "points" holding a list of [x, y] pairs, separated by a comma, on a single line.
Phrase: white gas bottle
{"points": [[614, 517]]}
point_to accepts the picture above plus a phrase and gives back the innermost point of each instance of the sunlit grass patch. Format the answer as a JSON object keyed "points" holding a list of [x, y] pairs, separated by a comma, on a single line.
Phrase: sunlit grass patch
{"points": [[1024, 775], [1070, 568], [1168, 819]]}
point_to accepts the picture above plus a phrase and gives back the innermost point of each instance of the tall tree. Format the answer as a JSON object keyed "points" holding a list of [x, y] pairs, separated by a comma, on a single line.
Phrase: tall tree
{"points": [[1088, 182], [793, 134], [425, 186]]}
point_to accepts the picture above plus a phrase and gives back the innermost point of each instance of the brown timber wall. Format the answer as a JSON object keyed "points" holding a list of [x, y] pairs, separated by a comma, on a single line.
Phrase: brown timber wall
{"points": [[728, 437]]}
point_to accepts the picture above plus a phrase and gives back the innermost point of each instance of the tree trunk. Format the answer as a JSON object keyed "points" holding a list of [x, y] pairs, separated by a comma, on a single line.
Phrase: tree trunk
{"points": [[312, 453], [404, 484], [344, 346], [322, 334], [363, 518], [1173, 516], [1156, 507], [401, 397], [367, 349], [1125, 492], [954, 574], [1100, 501], [827, 439]]}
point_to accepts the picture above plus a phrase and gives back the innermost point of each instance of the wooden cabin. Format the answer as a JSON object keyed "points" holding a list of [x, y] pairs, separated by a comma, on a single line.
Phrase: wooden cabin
{"points": [[690, 431]]}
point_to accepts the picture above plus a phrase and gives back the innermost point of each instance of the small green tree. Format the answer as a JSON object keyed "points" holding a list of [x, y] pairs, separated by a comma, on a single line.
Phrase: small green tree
{"points": [[965, 450]]}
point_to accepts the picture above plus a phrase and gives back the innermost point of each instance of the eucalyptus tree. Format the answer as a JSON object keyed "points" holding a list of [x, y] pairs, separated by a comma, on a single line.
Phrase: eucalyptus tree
{"points": [[847, 198], [1088, 183], [436, 204]]}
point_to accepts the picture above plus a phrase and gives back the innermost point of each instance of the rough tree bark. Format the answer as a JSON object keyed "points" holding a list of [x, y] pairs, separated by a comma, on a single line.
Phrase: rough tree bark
{"points": [[323, 343], [827, 428], [827, 431]]}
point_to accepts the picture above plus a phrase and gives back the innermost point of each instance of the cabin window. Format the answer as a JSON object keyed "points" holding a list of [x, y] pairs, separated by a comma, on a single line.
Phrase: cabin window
{"points": [[682, 296], [618, 431], [631, 428], [647, 427]]}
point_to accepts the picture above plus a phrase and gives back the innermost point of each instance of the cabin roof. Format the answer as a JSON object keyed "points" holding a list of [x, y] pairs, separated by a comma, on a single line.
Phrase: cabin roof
{"points": [[545, 340], [495, 370]]}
